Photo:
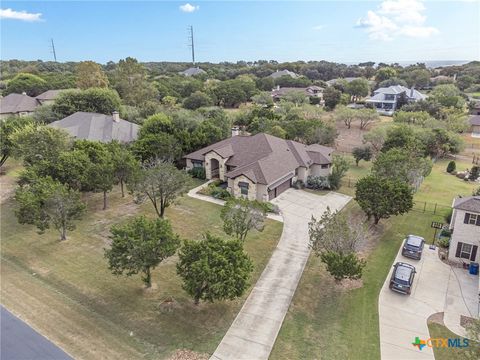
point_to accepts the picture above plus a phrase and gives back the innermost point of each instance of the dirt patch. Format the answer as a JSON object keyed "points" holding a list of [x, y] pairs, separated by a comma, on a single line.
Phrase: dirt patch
{"points": [[184, 354], [436, 318], [349, 284]]}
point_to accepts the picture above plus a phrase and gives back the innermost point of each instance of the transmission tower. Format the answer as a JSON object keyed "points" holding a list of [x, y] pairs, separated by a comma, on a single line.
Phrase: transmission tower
{"points": [[191, 43], [53, 50]]}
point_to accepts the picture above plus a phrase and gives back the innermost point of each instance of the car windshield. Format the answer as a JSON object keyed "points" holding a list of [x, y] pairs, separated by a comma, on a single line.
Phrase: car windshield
{"points": [[402, 275], [414, 241]]}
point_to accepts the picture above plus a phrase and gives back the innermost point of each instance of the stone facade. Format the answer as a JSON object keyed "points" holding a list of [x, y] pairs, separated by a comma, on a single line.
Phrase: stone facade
{"points": [[252, 188], [221, 165]]}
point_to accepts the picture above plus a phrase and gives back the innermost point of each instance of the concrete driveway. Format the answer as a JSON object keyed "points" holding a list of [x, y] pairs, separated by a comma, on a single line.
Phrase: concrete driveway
{"points": [[254, 330], [437, 288]]}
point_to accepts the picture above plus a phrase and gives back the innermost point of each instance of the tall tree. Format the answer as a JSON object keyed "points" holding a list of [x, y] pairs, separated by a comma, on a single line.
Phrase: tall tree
{"points": [[46, 202], [90, 75], [358, 88], [240, 216], [382, 197], [124, 164], [362, 153], [103, 101], [214, 269], [160, 182], [30, 84], [332, 97], [345, 115], [9, 126], [139, 246], [130, 80]]}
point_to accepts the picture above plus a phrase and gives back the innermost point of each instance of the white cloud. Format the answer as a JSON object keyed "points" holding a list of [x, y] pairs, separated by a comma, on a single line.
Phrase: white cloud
{"points": [[318, 27], [188, 8], [19, 15], [395, 18]]}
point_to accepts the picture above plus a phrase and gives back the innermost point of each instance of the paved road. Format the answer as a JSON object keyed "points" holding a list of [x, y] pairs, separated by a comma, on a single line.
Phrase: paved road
{"points": [[255, 329], [20, 342], [437, 288]]}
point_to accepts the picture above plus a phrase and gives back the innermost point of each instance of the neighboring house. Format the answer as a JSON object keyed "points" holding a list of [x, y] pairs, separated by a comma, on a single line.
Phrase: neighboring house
{"points": [[279, 73], [465, 226], [193, 71], [347, 79], [17, 104], [48, 97], [262, 166], [98, 127], [385, 99], [475, 125], [475, 109], [310, 91]]}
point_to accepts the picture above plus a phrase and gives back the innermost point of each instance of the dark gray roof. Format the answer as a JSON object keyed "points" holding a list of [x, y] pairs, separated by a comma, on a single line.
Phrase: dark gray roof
{"points": [[308, 91], [474, 120], [265, 158], [467, 203], [192, 71], [50, 94], [279, 73], [17, 103], [97, 127]]}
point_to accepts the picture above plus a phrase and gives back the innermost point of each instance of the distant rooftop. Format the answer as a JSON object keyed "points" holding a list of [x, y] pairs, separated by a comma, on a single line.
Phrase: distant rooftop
{"points": [[193, 71], [279, 73], [17, 103]]}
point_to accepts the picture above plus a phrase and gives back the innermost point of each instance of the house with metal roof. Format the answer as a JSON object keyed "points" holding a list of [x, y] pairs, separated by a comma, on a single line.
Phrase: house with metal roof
{"points": [[279, 73], [17, 105], [98, 127], [385, 100], [465, 227], [193, 71], [262, 166]]}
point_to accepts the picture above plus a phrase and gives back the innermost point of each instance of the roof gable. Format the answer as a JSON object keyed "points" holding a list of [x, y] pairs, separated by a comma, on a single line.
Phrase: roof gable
{"points": [[17, 103]]}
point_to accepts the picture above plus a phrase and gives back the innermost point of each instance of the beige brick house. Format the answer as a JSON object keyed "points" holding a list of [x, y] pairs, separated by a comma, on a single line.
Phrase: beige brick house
{"points": [[261, 166], [465, 224]]}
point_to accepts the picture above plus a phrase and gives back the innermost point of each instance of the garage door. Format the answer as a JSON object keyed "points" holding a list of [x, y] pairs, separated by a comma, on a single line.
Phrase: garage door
{"points": [[273, 193]]}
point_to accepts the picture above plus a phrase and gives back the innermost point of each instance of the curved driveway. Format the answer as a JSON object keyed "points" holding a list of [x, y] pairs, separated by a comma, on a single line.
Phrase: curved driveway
{"points": [[254, 330]]}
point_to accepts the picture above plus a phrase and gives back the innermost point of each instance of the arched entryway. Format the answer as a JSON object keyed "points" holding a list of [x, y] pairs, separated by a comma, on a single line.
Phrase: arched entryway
{"points": [[214, 168]]}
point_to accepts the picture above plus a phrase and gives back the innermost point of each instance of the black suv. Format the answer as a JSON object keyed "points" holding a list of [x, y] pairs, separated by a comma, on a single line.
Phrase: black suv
{"points": [[402, 278], [413, 247]]}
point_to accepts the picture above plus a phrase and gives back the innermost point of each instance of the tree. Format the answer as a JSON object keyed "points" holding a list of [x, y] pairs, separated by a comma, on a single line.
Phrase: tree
{"points": [[367, 116], [421, 118], [376, 138], [362, 153], [30, 84], [358, 88], [240, 216], [9, 126], [383, 197], [345, 115], [161, 146], [102, 101], [46, 202], [296, 97], [139, 246], [197, 100], [36, 143], [392, 82], [474, 173], [214, 269], [332, 97], [385, 73], [124, 164], [335, 239], [45, 115], [161, 183], [130, 80], [340, 166], [90, 75], [100, 175], [229, 93], [448, 95], [400, 136], [451, 167], [263, 99]]}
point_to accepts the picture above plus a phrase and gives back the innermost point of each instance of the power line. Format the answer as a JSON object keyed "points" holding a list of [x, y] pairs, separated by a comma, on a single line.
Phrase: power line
{"points": [[191, 44], [53, 50]]}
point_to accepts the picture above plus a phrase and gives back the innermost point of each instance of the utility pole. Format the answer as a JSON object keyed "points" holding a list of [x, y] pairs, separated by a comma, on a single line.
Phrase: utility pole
{"points": [[53, 50], [192, 45]]}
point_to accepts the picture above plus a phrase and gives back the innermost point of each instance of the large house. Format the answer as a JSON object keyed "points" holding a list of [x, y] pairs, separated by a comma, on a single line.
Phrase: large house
{"points": [[385, 100], [279, 73], [262, 166], [98, 127], [311, 91], [17, 105], [465, 226]]}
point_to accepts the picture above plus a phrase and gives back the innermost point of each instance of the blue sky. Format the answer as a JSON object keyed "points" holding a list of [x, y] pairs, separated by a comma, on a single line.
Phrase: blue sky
{"points": [[342, 31]]}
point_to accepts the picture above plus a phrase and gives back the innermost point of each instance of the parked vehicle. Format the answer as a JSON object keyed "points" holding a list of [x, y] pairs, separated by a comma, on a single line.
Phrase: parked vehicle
{"points": [[402, 278], [413, 247]]}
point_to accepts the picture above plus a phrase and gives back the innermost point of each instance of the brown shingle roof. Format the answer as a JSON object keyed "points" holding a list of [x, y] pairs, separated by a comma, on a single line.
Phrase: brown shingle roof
{"points": [[265, 158], [17, 103], [468, 203]]}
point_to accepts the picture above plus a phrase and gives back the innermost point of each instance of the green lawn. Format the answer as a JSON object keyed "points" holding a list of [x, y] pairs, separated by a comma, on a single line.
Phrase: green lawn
{"points": [[66, 291], [440, 331], [326, 321]]}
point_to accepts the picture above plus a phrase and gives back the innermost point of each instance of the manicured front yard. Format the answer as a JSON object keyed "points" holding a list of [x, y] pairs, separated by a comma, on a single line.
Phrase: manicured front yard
{"points": [[448, 353], [327, 321], [65, 290]]}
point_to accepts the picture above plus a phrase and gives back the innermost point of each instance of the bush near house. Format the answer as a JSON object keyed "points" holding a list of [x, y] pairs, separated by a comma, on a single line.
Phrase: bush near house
{"points": [[198, 173], [451, 167], [213, 189], [318, 182]]}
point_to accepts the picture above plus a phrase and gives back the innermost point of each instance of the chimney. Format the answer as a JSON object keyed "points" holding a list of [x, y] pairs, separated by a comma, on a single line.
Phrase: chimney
{"points": [[116, 116], [235, 131]]}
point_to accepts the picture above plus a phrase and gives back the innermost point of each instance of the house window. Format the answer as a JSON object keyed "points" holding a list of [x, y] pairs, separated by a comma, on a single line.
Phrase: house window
{"points": [[472, 219], [243, 188], [197, 164], [325, 166], [466, 251]]}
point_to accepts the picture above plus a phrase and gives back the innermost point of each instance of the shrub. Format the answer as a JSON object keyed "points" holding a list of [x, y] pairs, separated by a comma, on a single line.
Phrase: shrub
{"points": [[318, 182], [298, 184], [219, 193], [448, 216], [443, 242], [342, 266], [474, 173], [445, 233], [451, 167], [198, 172]]}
